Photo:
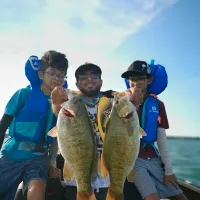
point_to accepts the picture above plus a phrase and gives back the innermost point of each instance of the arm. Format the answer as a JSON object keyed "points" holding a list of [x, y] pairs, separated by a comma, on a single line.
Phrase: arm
{"points": [[4, 124], [54, 172], [162, 146], [53, 150], [16, 102]]}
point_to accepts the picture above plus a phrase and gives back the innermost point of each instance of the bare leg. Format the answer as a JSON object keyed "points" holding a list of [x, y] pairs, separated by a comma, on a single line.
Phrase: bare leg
{"points": [[153, 196], [179, 197], [36, 190]]}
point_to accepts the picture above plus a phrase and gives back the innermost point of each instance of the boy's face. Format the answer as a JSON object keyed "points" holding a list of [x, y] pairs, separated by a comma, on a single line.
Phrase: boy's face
{"points": [[89, 83], [52, 77], [140, 81]]}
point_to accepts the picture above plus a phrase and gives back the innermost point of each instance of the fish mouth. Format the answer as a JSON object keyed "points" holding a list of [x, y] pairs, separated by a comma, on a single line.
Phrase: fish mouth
{"points": [[126, 112], [129, 115], [67, 113]]}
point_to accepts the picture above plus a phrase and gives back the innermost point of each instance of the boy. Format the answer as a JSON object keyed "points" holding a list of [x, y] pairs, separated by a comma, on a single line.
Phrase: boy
{"points": [[154, 175], [24, 154]]}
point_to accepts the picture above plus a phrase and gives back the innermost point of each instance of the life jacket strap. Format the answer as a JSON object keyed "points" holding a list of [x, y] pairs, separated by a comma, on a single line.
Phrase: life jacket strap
{"points": [[144, 144], [155, 96]]}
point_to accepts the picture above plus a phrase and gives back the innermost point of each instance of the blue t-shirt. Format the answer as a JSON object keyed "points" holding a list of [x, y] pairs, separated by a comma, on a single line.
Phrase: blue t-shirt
{"points": [[15, 148]]}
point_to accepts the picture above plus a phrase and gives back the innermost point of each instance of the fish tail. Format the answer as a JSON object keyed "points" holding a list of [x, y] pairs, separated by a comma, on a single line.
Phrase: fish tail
{"points": [[86, 195], [114, 196]]}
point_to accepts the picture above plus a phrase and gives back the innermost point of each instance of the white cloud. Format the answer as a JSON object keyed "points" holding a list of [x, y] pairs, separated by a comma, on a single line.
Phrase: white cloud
{"points": [[85, 30]]}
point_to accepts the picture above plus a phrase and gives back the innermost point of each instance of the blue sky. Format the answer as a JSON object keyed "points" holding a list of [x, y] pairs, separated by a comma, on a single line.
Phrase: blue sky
{"points": [[112, 34]]}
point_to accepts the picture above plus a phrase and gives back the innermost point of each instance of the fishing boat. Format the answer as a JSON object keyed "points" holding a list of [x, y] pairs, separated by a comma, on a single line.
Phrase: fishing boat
{"points": [[191, 191]]}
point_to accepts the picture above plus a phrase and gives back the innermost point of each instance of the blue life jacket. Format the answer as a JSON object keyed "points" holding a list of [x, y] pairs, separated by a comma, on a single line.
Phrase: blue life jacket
{"points": [[149, 119], [150, 111], [31, 121], [150, 107]]}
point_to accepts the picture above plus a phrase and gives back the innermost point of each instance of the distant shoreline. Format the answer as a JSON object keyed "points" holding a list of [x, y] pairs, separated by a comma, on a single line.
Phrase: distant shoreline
{"points": [[183, 137], [168, 137]]}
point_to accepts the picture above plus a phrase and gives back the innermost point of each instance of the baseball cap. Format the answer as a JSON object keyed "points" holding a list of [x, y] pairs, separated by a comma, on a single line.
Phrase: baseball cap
{"points": [[137, 68], [88, 67]]}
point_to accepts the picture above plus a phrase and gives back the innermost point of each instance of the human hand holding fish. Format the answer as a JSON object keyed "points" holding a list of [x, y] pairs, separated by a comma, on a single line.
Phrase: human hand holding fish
{"points": [[58, 95], [135, 94]]}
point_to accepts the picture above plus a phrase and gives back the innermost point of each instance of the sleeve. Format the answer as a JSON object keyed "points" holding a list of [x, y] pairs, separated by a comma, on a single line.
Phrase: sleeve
{"points": [[13, 106], [163, 120], [17, 101], [163, 150], [53, 153], [4, 124]]}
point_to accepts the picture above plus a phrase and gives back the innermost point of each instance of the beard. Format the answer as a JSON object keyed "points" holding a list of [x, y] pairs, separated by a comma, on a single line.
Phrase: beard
{"points": [[91, 93]]}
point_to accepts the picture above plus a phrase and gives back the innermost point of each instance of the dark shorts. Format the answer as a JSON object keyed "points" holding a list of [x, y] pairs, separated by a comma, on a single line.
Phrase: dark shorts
{"points": [[70, 193], [12, 173]]}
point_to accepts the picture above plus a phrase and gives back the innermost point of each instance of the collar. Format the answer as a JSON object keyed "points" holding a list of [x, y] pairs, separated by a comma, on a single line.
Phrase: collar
{"points": [[93, 102]]}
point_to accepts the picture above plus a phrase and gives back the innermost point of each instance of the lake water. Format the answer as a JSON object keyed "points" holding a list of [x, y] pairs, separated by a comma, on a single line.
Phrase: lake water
{"points": [[185, 156]]}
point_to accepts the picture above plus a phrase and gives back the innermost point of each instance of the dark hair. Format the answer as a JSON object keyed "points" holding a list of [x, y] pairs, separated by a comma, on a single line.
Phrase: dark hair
{"points": [[87, 67], [55, 60]]}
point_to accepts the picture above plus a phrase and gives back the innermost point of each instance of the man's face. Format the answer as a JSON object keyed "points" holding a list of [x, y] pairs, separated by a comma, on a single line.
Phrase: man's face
{"points": [[140, 81], [89, 83]]}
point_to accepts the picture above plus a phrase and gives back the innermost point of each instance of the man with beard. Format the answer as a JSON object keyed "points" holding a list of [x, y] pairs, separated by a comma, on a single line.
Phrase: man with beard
{"points": [[89, 82]]}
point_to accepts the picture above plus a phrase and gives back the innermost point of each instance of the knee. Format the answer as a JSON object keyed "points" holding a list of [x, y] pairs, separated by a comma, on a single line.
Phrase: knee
{"points": [[36, 190]]}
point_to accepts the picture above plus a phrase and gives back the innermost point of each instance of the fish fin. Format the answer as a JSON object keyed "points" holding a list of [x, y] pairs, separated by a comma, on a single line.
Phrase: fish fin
{"points": [[67, 172], [53, 132], [85, 195], [142, 132], [131, 176], [102, 118], [103, 167], [114, 196]]}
